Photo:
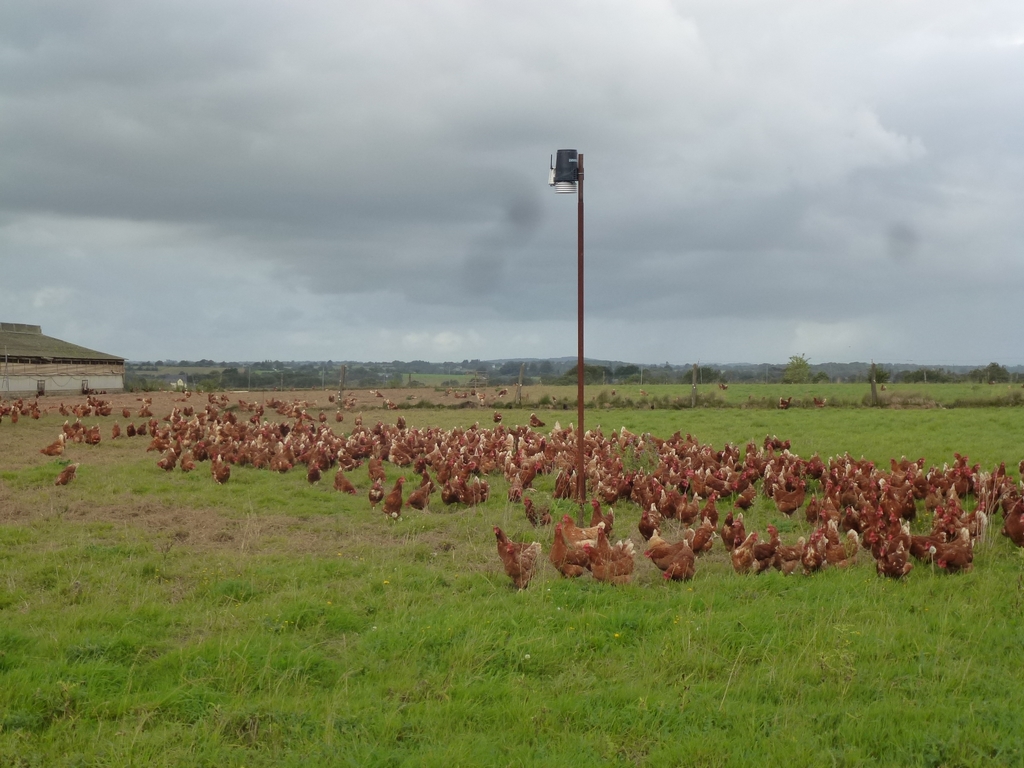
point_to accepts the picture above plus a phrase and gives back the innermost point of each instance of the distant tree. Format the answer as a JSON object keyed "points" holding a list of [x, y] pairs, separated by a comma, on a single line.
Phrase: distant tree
{"points": [[657, 375], [929, 375], [821, 377], [509, 368], [798, 371], [592, 374], [993, 372], [623, 372]]}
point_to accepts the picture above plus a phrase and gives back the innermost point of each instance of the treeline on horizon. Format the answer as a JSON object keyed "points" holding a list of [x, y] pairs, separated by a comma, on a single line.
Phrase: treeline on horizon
{"points": [[276, 374]]}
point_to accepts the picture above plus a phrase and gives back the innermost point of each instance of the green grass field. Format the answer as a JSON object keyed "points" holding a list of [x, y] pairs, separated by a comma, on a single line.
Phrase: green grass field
{"points": [[158, 619]]}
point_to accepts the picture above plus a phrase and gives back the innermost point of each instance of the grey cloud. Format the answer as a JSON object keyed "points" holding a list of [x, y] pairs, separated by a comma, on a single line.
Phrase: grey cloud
{"points": [[801, 167], [902, 241]]}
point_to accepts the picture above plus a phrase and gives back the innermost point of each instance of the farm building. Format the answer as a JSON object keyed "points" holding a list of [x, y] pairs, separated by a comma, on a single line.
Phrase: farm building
{"points": [[34, 364]]}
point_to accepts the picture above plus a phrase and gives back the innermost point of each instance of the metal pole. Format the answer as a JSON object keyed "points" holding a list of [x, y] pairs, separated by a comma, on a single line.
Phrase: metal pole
{"points": [[581, 479]]}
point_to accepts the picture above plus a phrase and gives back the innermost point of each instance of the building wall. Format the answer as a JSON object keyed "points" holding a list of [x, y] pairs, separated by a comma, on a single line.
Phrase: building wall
{"points": [[19, 380]]}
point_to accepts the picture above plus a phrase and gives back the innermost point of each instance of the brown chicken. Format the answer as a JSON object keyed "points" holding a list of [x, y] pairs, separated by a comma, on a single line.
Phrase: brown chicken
{"points": [[923, 547], [393, 501], [313, 473], [683, 565], [342, 483], [709, 511], [528, 473], [577, 536], [607, 551], [597, 517], [56, 448], [66, 475], [115, 431], [894, 563], [788, 501], [570, 561], [535, 422], [733, 531], [515, 489], [650, 521], [813, 510], [957, 555], [788, 559], [661, 552], [1013, 524], [520, 560], [745, 500], [743, 555], [813, 558], [376, 469], [420, 498], [168, 461], [843, 553], [449, 493], [688, 510], [187, 463], [764, 552], [92, 435], [703, 537], [475, 492], [220, 470], [376, 493], [611, 565]]}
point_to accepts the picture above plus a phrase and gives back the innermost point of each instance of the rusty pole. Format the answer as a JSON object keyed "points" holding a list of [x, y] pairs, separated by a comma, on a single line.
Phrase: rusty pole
{"points": [[581, 478]]}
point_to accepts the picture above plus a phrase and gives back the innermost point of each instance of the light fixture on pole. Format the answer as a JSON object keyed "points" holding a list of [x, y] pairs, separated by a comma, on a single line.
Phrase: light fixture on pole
{"points": [[566, 176]]}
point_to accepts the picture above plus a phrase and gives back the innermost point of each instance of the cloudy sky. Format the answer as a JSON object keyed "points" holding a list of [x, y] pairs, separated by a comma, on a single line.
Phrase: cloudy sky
{"points": [[250, 180]]}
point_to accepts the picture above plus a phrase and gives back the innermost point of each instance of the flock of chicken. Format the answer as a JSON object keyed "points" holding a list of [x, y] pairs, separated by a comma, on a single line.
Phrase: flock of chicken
{"points": [[859, 506]]}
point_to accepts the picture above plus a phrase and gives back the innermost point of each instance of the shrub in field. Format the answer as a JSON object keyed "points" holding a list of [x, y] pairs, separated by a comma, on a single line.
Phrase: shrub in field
{"points": [[798, 371]]}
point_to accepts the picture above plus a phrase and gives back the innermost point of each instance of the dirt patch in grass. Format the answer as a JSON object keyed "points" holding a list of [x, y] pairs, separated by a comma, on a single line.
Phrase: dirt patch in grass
{"points": [[208, 530], [197, 529]]}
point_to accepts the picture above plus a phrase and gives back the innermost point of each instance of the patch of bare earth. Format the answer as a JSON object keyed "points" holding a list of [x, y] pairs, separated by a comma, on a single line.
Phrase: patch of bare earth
{"points": [[197, 529]]}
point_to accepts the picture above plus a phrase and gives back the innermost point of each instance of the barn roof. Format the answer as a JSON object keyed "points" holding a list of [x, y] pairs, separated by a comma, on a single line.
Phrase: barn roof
{"points": [[27, 343]]}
